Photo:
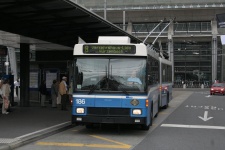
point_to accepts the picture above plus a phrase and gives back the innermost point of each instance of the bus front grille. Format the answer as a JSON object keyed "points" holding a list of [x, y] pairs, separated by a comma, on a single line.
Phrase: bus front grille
{"points": [[108, 111]]}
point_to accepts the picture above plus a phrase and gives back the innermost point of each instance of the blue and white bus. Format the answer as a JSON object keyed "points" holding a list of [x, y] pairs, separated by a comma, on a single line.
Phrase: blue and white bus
{"points": [[115, 82]]}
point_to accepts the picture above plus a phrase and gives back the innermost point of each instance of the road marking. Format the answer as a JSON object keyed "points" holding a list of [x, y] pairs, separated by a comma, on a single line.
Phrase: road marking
{"points": [[105, 139], [83, 145], [118, 145], [193, 126], [204, 107], [205, 118]]}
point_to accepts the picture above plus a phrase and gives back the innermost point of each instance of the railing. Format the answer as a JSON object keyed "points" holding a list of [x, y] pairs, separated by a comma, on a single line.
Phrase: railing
{"points": [[192, 84]]}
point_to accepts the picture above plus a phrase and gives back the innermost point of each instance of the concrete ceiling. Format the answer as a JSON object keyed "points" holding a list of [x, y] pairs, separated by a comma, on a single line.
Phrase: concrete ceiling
{"points": [[44, 22]]}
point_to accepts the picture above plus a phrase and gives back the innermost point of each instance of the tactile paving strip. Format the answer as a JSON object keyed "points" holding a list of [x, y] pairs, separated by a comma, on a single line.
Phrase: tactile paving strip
{"points": [[7, 140]]}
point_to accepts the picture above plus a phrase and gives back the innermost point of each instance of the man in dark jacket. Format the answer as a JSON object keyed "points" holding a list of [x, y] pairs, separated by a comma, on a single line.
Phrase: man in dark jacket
{"points": [[43, 92]]}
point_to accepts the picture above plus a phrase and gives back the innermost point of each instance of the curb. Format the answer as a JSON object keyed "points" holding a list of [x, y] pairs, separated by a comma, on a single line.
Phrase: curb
{"points": [[25, 139]]}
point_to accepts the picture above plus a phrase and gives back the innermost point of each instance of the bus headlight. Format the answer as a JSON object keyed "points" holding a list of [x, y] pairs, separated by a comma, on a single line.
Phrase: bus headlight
{"points": [[80, 110], [136, 111]]}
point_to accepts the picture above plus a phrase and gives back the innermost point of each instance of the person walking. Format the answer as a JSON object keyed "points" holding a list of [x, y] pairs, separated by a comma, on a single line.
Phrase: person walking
{"points": [[43, 92], [17, 85], [54, 93], [5, 88], [63, 90]]}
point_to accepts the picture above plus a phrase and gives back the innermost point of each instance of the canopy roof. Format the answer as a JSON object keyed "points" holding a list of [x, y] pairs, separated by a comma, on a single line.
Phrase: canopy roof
{"points": [[55, 21]]}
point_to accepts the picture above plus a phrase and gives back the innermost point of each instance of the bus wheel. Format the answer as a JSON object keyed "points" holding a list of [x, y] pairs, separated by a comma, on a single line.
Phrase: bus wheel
{"points": [[145, 127], [168, 96], [151, 116], [156, 115], [89, 126]]}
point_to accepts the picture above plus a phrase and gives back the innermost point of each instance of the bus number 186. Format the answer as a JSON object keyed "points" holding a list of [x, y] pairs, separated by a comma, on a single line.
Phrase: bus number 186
{"points": [[80, 101]]}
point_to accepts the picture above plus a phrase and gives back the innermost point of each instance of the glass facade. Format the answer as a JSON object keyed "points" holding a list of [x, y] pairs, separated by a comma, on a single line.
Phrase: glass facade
{"points": [[192, 62], [192, 59]]}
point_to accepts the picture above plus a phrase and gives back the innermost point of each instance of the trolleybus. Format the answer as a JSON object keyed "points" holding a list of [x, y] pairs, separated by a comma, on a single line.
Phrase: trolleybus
{"points": [[115, 82]]}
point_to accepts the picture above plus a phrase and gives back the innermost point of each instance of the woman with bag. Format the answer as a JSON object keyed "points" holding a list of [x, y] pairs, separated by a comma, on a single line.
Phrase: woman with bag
{"points": [[5, 95]]}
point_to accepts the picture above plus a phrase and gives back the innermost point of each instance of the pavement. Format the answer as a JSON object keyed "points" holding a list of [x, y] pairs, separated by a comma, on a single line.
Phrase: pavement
{"points": [[27, 124]]}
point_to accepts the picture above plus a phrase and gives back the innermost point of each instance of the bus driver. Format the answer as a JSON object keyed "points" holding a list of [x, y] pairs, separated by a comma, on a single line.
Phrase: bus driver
{"points": [[134, 79]]}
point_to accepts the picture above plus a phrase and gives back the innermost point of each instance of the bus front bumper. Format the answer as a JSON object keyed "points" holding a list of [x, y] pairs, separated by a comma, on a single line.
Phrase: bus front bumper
{"points": [[83, 120]]}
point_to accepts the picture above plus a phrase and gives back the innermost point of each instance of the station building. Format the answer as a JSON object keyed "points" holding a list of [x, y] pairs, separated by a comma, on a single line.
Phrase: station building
{"points": [[192, 40]]}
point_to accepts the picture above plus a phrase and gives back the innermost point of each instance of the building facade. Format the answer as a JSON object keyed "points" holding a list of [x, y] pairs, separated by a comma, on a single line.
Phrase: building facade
{"points": [[192, 40]]}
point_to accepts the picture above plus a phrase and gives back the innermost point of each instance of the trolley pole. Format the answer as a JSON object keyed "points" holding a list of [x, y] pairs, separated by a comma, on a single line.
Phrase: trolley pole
{"points": [[105, 3]]}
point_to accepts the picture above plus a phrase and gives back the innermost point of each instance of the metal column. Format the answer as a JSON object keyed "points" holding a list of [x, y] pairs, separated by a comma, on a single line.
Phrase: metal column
{"points": [[214, 50], [171, 48], [24, 74], [214, 58], [13, 62]]}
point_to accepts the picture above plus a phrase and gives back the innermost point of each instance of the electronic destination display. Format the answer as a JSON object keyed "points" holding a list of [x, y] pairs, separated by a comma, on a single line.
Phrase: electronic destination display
{"points": [[109, 49]]}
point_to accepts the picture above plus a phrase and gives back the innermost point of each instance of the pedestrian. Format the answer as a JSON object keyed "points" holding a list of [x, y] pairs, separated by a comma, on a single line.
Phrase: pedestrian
{"points": [[58, 102], [63, 90], [5, 88], [54, 93], [17, 84], [43, 92]]}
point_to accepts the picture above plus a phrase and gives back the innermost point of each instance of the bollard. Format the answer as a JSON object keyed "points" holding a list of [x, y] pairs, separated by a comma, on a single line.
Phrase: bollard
{"points": [[202, 86], [184, 86]]}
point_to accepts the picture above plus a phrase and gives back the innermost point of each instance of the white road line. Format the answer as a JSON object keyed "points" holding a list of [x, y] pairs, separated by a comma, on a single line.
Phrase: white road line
{"points": [[193, 126]]}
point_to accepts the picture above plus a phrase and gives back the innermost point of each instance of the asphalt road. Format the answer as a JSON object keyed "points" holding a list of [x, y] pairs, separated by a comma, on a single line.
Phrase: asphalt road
{"points": [[198, 124], [193, 120]]}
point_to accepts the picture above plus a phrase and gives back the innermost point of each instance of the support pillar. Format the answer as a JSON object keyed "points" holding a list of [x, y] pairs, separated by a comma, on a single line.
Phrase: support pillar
{"points": [[171, 47], [214, 50], [24, 74], [129, 27]]}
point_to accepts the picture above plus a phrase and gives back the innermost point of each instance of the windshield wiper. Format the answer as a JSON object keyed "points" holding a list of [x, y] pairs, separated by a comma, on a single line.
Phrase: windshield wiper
{"points": [[95, 86], [119, 85]]}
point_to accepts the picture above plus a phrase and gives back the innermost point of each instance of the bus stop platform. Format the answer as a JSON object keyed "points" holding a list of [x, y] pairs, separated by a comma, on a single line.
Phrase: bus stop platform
{"points": [[26, 124]]}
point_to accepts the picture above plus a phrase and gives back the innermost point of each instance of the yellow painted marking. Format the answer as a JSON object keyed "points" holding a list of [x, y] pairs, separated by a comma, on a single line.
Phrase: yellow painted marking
{"points": [[83, 145], [118, 146], [105, 139], [154, 124]]}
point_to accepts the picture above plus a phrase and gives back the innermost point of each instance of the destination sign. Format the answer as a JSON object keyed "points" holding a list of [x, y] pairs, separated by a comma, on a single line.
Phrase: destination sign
{"points": [[109, 49]]}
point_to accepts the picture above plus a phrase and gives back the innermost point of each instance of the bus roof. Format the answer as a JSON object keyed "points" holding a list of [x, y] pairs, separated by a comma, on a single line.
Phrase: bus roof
{"points": [[114, 40]]}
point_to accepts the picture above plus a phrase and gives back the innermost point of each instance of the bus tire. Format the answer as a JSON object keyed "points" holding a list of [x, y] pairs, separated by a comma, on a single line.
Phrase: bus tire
{"points": [[145, 127], [89, 126], [151, 114], [156, 115], [167, 100]]}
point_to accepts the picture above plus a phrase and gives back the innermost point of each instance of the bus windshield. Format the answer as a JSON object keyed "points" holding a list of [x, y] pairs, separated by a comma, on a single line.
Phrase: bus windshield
{"points": [[110, 74]]}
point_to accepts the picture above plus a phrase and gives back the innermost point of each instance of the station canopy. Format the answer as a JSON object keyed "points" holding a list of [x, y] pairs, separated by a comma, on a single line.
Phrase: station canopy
{"points": [[44, 23]]}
